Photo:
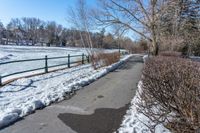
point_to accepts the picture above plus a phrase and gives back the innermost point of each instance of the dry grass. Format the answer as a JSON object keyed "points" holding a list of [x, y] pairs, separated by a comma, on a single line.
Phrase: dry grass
{"points": [[104, 59], [173, 85]]}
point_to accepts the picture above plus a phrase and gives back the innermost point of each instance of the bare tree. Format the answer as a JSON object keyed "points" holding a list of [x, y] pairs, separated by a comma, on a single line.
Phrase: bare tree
{"points": [[141, 17], [79, 17], [33, 31], [31, 26], [41, 33], [179, 25], [15, 27], [51, 33]]}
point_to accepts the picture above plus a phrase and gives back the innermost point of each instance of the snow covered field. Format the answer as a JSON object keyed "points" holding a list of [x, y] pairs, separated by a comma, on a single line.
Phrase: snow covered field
{"points": [[10, 53], [23, 96]]}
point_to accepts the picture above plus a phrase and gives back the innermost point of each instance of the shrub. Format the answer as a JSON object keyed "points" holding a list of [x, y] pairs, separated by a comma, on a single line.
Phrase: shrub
{"points": [[185, 50], [171, 93], [104, 59], [196, 48]]}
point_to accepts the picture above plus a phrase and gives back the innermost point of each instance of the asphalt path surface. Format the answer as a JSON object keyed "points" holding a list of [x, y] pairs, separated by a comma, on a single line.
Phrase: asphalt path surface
{"points": [[96, 108]]}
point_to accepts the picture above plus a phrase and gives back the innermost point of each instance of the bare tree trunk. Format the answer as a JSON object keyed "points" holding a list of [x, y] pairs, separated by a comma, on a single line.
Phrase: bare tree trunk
{"points": [[153, 29], [79, 18], [1, 41], [155, 47], [6, 41]]}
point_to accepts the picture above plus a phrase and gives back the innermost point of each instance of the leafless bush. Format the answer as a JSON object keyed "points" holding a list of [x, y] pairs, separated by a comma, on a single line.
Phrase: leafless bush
{"points": [[170, 53], [171, 93], [104, 59], [171, 43]]}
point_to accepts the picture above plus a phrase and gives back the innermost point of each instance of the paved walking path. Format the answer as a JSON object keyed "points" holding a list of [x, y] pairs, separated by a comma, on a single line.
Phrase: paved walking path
{"points": [[97, 108]]}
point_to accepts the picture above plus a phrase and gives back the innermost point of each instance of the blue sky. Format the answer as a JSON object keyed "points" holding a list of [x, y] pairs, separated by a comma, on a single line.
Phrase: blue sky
{"points": [[48, 10]]}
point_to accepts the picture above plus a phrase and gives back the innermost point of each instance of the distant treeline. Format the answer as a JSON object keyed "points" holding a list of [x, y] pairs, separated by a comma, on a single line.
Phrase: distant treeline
{"points": [[33, 31]]}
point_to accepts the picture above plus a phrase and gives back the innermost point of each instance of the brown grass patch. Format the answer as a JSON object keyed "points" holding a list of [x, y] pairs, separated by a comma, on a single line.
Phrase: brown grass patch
{"points": [[104, 59]]}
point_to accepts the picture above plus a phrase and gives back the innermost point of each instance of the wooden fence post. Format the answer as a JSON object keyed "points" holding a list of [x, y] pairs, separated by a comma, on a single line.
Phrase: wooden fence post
{"points": [[46, 64], [88, 59], [82, 58], [0, 80], [68, 61]]}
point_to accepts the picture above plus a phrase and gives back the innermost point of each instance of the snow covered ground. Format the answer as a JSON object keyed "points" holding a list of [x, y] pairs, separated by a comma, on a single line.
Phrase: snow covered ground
{"points": [[136, 122], [10, 53], [24, 96]]}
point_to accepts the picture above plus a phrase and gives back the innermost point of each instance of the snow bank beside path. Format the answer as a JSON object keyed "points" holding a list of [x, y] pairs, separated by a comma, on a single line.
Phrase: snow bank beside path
{"points": [[136, 122], [24, 96]]}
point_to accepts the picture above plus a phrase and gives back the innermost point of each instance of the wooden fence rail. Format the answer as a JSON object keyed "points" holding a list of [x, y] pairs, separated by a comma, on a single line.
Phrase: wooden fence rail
{"points": [[84, 58]]}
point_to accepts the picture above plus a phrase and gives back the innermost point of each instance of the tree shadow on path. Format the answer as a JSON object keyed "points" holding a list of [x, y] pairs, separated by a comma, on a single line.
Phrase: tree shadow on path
{"points": [[102, 121]]}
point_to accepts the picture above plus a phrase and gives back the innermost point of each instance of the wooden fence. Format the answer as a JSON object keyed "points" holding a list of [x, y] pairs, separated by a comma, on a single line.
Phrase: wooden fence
{"points": [[84, 58]]}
